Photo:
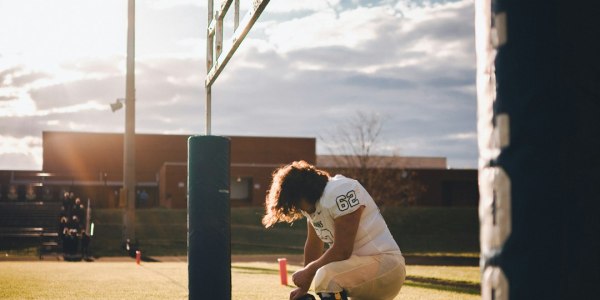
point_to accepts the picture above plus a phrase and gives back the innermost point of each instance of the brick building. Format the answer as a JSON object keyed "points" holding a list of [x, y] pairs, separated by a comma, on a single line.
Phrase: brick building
{"points": [[91, 165]]}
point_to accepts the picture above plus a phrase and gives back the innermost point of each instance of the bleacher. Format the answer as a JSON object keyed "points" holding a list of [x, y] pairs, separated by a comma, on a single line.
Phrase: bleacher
{"points": [[24, 224]]}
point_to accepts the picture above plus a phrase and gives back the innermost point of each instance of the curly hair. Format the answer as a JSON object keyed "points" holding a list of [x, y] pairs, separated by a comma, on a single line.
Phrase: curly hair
{"points": [[291, 183]]}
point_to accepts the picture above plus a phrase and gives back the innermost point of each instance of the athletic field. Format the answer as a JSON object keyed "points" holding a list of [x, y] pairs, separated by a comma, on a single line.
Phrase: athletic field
{"points": [[123, 279]]}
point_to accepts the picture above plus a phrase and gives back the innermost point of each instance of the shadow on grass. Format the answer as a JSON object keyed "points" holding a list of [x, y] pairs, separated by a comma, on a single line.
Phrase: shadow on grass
{"points": [[443, 285], [442, 260], [255, 270]]}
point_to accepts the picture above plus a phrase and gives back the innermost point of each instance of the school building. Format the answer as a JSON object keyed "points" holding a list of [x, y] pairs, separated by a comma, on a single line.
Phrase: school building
{"points": [[91, 166]]}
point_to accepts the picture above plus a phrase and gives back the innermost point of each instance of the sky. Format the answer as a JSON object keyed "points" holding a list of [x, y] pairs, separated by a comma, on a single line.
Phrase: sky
{"points": [[304, 70]]}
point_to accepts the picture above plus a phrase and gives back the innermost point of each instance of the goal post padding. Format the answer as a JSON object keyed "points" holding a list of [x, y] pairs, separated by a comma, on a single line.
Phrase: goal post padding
{"points": [[209, 233], [539, 143]]}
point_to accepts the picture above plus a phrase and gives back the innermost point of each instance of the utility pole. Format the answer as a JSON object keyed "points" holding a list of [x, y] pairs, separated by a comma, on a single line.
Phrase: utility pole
{"points": [[128, 190]]}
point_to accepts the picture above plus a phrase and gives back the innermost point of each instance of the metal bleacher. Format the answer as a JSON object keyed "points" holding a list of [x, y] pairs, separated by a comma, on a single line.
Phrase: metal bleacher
{"points": [[30, 224]]}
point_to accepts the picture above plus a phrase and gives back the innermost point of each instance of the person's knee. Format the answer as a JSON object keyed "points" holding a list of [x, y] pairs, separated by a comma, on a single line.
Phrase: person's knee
{"points": [[320, 275], [327, 287], [325, 280]]}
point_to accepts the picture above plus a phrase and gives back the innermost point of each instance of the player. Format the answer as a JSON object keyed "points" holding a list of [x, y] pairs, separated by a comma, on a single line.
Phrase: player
{"points": [[362, 260]]}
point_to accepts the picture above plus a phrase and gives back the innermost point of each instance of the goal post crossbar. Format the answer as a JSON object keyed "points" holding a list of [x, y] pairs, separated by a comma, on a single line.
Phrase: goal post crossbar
{"points": [[215, 35], [216, 60]]}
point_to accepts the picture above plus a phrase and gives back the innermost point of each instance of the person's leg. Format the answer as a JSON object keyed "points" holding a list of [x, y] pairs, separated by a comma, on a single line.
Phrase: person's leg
{"points": [[388, 282], [363, 277], [340, 275]]}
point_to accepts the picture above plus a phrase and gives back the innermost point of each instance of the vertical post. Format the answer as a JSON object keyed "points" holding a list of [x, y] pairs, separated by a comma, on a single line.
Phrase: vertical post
{"points": [[209, 64], [208, 109], [209, 244], [88, 216], [129, 137], [211, 10], [236, 14], [219, 34]]}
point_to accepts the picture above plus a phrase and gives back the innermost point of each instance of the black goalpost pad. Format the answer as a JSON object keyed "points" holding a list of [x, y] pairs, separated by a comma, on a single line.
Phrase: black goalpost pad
{"points": [[209, 233], [546, 119]]}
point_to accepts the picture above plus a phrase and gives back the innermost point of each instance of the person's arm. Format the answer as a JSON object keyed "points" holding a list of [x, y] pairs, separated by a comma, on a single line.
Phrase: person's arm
{"points": [[346, 227], [313, 247]]}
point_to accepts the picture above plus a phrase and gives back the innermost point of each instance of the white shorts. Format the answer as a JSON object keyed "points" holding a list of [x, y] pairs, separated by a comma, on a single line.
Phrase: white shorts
{"points": [[378, 277]]}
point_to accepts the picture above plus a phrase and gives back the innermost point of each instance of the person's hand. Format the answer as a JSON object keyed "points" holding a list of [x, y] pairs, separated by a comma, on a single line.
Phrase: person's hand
{"points": [[297, 293], [303, 278]]}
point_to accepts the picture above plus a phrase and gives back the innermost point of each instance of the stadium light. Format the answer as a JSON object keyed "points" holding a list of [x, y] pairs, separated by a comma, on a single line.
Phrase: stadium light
{"points": [[117, 105]]}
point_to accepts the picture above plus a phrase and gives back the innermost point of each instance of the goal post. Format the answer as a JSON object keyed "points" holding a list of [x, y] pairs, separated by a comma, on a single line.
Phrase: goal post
{"points": [[209, 230]]}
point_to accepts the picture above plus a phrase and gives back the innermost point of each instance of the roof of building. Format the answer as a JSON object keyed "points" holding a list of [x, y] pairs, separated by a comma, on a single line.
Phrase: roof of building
{"points": [[392, 162]]}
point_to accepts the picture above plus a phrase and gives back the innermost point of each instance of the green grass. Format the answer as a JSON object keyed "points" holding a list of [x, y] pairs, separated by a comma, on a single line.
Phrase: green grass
{"points": [[168, 280], [422, 231]]}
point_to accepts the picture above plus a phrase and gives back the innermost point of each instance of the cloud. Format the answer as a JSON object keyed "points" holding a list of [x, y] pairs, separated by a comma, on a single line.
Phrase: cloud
{"points": [[77, 92], [324, 28], [17, 111], [18, 152], [5, 75], [7, 98], [380, 82], [463, 136]]}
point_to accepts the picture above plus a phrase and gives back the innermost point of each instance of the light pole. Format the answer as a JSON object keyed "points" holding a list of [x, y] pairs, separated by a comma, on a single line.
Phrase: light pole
{"points": [[127, 195], [129, 139]]}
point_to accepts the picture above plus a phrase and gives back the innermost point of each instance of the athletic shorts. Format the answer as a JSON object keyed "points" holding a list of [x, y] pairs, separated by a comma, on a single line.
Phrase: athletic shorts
{"points": [[378, 277]]}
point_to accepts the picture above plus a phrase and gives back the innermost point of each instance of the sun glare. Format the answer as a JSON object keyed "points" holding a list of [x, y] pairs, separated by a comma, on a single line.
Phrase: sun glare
{"points": [[44, 35], [43, 42]]}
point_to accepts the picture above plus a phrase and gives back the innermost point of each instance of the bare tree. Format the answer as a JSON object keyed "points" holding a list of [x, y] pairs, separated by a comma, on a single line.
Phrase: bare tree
{"points": [[357, 151]]}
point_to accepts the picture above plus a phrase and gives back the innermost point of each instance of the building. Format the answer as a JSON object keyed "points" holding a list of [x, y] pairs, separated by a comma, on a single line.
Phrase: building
{"points": [[389, 162], [442, 186], [91, 166]]}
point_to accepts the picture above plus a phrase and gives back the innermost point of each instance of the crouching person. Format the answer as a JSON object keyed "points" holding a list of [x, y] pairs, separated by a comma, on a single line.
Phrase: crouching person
{"points": [[362, 260]]}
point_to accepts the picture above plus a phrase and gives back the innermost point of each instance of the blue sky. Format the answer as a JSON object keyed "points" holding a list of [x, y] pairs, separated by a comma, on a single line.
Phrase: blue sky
{"points": [[304, 69]]}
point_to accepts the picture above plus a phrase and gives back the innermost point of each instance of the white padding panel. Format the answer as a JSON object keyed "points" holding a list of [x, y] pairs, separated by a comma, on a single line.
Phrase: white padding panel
{"points": [[494, 208], [494, 285], [502, 130]]}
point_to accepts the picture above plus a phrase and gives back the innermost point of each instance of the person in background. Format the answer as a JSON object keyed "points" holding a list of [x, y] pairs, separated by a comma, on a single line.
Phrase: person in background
{"points": [[144, 198], [62, 225], [73, 243], [12, 193], [66, 203], [85, 245], [131, 247], [46, 194], [71, 199], [30, 194], [78, 210]]}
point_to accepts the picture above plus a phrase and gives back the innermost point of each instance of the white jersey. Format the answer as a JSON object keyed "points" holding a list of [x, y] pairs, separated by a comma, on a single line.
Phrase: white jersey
{"points": [[342, 196]]}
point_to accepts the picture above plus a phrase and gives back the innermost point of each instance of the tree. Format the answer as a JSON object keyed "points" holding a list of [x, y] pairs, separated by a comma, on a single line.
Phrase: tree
{"points": [[357, 152]]}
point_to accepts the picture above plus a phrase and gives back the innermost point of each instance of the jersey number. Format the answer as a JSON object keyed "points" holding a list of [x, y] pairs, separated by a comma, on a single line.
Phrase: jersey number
{"points": [[346, 201]]}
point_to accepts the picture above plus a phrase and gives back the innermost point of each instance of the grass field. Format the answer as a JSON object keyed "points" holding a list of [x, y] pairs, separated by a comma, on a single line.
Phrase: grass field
{"points": [[429, 233], [168, 280]]}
